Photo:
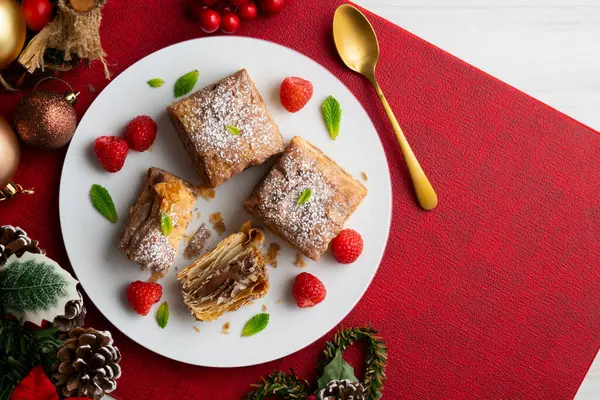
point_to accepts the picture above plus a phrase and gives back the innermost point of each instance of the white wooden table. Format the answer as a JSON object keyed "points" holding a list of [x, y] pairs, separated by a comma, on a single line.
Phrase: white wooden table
{"points": [[550, 49]]}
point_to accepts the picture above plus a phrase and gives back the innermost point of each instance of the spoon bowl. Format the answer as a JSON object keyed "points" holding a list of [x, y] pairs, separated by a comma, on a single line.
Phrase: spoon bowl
{"points": [[357, 45], [355, 40]]}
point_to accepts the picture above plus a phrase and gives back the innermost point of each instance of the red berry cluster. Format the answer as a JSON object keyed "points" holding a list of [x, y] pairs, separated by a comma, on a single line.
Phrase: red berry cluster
{"points": [[227, 14]]}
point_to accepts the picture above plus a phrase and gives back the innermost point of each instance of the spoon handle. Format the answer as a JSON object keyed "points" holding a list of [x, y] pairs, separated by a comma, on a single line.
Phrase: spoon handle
{"points": [[423, 189]]}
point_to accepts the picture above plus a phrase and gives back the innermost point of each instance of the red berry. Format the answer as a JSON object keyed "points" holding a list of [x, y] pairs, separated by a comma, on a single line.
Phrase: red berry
{"points": [[111, 151], [37, 13], [210, 20], [142, 295], [347, 246], [247, 11], [140, 133], [295, 93], [271, 6], [237, 3], [308, 290], [208, 2], [230, 22]]}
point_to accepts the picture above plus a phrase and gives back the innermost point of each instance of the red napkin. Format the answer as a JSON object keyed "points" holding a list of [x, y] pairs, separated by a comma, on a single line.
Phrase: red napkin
{"points": [[495, 294]]}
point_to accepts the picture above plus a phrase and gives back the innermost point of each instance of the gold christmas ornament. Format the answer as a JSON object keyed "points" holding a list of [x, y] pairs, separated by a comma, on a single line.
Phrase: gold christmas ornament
{"points": [[46, 119], [12, 32], [10, 155]]}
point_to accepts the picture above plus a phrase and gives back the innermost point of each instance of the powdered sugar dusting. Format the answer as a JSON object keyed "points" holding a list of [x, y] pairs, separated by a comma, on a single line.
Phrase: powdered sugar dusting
{"points": [[232, 101], [307, 225], [154, 251]]}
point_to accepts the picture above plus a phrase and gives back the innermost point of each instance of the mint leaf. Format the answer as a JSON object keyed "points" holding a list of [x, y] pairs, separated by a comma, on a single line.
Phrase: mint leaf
{"points": [[156, 82], [304, 196], [338, 368], [103, 202], [255, 324], [186, 83], [166, 224], [232, 129], [35, 288], [162, 315], [332, 114]]}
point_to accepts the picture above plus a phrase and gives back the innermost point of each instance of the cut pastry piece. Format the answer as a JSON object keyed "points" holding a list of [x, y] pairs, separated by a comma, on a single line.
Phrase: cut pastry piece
{"points": [[226, 278], [142, 239], [306, 198], [226, 128]]}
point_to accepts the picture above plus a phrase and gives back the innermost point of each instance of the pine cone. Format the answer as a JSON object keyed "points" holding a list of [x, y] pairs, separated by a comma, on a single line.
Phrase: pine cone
{"points": [[88, 364], [15, 241], [342, 390], [74, 316]]}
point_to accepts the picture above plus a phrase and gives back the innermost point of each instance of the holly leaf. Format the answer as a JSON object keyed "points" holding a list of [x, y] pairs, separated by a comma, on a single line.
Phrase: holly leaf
{"points": [[337, 369], [332, 114], [162, 315], [156, 82], [304, 196], [256, 324], [34, 288], [103, 202], [166, 224], [186, 83], [232, 129]]}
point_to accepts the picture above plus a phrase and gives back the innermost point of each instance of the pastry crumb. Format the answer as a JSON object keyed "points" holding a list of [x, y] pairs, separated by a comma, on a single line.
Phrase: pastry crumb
{"points": [[151, 148], [272, 253], [365, 176], [198, 214], [197, 242], [176, 268], [299, 262], [155, 276], [264, 308], [225, 329], [277, 301], [217, 222], [205, 192], [196, 329]]}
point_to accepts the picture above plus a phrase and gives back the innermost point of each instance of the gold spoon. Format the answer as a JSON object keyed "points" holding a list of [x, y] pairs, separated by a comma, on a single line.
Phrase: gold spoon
{"points": [[357, 45]]}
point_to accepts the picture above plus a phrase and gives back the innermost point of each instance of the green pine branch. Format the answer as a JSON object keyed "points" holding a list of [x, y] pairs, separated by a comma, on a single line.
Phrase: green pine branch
{"points": [[281, 384], [21, 350]]}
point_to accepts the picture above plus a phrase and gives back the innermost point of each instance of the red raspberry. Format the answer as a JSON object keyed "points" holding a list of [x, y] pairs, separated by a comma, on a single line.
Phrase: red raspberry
{"points": [[308, 290], [111, 151], [295, 93], [142, 295], [140, 133], [347, 246]]}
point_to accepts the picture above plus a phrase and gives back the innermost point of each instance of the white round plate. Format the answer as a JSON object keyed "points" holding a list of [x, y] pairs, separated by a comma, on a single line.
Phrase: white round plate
{"points": [[103, 270]]}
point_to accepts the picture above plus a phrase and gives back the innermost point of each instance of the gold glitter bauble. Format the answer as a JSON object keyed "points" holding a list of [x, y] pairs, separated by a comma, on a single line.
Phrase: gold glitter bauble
{"points": [[9, 153], [45, 119], [12, 32]]}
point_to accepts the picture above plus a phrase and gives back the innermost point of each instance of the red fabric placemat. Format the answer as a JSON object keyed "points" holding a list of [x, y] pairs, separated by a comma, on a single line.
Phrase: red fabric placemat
{"points": [[494, 295]]}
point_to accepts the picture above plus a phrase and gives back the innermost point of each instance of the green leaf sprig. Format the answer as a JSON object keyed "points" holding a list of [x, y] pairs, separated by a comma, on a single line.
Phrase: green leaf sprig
{"points": [[256, 324], [304, 196], [162, 315], [156, 82], [332, 114], [232, 129], [186, 83], [103, 202], [166, 224]]}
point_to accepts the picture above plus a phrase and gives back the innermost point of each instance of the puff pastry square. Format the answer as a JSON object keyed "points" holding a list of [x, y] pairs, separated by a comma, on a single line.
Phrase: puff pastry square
{"points": [[142, 239], [208, 123], [309, 226], [226, 278]]}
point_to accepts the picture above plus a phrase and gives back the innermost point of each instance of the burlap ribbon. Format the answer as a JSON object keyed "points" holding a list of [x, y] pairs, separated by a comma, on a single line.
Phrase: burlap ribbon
{"points": [[72, 32]]}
